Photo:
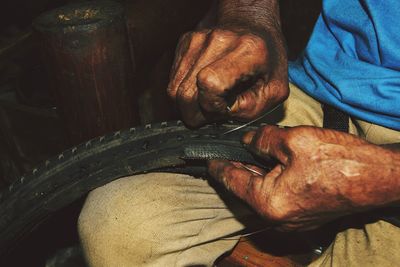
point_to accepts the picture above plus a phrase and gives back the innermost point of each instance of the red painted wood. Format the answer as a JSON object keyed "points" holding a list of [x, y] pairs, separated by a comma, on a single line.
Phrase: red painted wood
{"points": [[86, 51]]}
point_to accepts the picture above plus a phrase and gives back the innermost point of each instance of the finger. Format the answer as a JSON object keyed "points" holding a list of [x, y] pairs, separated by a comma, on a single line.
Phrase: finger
{"points": [[248, 137], [190, 109], [268, 141], [269, 91], [239, 181], [187, 53], [253, 189], [258, 99], [217, 79], [187, 94]]}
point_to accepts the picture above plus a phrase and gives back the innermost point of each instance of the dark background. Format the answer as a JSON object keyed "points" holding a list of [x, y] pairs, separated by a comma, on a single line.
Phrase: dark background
{"points": [[30, 127]]}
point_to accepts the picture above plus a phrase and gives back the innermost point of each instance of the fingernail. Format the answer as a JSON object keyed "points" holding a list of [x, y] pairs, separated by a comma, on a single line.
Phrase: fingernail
{"points": [[248, 137], [233, 107]]}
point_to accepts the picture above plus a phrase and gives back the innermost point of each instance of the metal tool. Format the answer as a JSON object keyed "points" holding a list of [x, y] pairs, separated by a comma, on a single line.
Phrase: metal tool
{"points": [[248, 124], [251, 122], [252, 170]]}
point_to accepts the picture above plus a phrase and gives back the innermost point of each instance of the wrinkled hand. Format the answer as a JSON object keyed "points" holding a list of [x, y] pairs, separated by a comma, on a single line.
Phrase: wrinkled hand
{"points": [[321, 175], [210, 64]]}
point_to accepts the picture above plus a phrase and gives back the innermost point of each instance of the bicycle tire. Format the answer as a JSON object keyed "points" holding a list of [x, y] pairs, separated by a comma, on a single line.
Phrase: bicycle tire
{"points": [[166, 146]]}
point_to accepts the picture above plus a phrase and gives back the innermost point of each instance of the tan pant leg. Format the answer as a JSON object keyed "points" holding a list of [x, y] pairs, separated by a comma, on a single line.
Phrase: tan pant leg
{"points": [[374, 245], [158, 219], [378, 134], [170, 219]]}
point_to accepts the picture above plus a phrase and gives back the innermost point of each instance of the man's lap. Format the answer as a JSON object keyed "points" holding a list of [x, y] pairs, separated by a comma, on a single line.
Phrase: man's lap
{"points": [[159, 219], [169, 219]]}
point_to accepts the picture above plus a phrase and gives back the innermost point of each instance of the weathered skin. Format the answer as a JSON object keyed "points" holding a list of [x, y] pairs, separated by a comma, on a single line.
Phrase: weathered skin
{"points": [[210, 63], [322, 174]]}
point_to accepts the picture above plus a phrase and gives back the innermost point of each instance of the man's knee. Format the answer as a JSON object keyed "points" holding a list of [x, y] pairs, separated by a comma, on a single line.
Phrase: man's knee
{"points": [[122, 219], [144, 217]]}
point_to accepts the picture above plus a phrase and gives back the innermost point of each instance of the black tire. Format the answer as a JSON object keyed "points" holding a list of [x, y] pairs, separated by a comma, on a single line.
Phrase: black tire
{"points": [[60, 181]]}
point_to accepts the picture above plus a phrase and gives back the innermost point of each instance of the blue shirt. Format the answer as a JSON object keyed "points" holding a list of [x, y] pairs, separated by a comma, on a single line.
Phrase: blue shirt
{"points": [[352, 60]]}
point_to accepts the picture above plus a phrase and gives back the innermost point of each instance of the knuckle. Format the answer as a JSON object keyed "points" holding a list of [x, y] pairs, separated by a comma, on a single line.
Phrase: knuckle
{"points": [[253, 43], [198, 36], [217, 33], [192, 40], [296, 138], [208, 79], [277, 210], [186, 36], [222, 35], [184, 94], [291, 138]]}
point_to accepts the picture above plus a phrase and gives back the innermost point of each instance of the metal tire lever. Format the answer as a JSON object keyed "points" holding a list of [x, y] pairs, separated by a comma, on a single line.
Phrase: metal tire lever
{"points": [[251, 122]]}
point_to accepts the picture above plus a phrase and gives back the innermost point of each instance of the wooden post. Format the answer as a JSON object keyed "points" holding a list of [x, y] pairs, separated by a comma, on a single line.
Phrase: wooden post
{"points": [[85, 49]]}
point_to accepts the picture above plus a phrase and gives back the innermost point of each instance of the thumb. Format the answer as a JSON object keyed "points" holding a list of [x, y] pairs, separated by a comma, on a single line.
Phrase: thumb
{"points": [[268, 141]]}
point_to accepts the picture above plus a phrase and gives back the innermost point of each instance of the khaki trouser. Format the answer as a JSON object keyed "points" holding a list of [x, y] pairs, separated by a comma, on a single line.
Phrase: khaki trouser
{"points": [[166, 219]]}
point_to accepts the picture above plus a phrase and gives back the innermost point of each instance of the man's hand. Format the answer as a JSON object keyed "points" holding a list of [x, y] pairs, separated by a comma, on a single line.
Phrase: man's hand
{"points": [[210, 65], [321, 175]]}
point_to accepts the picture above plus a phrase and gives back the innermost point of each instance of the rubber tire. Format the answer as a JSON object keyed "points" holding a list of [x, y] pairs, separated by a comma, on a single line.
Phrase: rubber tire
{"points": [[72, 174]]}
